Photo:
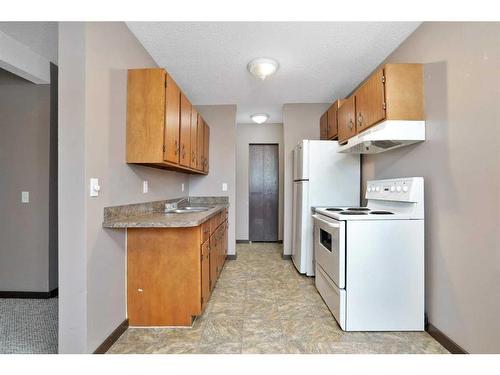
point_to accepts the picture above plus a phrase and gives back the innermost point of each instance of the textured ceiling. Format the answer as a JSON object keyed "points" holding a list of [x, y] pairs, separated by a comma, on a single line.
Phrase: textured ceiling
{"points": [[40, 37], [319, 61]]}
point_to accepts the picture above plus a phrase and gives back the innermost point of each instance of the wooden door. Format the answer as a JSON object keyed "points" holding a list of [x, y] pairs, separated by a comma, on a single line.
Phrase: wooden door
{"points": [[200, 144], [323, 126], [332, 128], [172, 121], [194, 137], [346, 120], [185, 132], [205, 274], [263, 190], [206, 143], [370, 102]]}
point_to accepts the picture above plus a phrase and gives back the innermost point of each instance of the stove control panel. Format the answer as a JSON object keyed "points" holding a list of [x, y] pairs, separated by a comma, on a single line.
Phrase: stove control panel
{"points": [[399, 189]]}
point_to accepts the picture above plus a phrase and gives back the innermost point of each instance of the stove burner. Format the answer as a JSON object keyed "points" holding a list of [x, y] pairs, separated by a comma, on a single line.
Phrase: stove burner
{"points": [[352, 213], [381, 213], [334, 209], [358, 209]]}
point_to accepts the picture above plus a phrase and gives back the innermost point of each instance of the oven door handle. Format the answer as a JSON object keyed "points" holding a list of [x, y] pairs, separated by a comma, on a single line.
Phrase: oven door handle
{"points": [[331, 225]]}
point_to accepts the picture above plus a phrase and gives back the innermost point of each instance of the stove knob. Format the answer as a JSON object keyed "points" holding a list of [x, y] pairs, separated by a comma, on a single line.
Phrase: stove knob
{"points": [[398, 189], [369, 189], [393, 188], [377, 188], [405, 188]]}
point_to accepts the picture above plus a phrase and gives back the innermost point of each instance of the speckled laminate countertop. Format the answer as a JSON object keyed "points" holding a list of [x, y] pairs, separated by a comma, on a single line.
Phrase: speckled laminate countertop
{"points": [[151, 215]]}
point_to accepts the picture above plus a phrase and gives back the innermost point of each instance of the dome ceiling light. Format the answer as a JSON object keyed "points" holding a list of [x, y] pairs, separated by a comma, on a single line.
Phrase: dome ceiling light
{"points": [[260, 118], [262, 67]]}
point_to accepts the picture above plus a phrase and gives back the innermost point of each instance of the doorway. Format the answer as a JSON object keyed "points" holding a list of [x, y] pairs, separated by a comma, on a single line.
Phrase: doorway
{"points": [[263, 176]]}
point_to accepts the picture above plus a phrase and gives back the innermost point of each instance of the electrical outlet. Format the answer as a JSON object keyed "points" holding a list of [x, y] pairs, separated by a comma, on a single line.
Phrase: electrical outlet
{"points": [[145, 187], [224, 186], [182, 187]]}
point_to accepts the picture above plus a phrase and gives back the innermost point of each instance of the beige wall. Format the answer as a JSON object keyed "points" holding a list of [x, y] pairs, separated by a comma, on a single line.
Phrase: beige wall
{"points": [[24, 166], [247, 134], [222, 121], [300, 121], [107, 51], [460, 161]]}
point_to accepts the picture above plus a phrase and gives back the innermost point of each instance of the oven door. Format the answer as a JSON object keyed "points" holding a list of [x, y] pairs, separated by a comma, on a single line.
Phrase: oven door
{"points": [[329, 247]]}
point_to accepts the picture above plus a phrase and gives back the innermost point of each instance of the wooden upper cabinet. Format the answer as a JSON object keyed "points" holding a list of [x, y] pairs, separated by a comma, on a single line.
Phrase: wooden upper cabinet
{"points": [[145, 115], [404, 91], [332, 120], [194, 137], [394, 92], [199, 143], [370, 101], [163, 130], [172, 120], [206, 144], [346, 119], [323, 126], [185, 132]]}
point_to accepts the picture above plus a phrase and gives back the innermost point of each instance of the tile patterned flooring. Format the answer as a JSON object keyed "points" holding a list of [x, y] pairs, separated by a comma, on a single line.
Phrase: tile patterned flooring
{"points": [[262, 305]]}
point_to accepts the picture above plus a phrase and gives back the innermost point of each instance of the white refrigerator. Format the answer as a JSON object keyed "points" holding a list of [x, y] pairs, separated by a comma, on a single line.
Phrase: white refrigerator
{"points": [[321, 177]]}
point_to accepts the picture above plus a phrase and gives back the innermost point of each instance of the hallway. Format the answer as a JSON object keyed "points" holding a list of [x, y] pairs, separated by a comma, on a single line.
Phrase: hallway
{"points": [[262, 305]]}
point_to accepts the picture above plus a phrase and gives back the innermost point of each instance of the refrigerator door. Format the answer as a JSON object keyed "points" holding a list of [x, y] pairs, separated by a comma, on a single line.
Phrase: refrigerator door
{"points": [[301, 161], [300, 224]]}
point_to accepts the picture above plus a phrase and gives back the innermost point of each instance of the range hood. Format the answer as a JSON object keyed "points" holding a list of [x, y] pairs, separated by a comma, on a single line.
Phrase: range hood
{"points": [[385, 136]]}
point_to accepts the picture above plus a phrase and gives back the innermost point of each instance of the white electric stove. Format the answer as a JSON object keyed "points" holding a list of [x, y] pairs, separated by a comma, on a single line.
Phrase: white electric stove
{"points": [[370, 260]]}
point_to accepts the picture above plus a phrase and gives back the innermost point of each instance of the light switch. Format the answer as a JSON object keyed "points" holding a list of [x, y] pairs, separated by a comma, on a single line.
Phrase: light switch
{"points": [[25, 197], [145, 187], [94, 187], [224, 186]]}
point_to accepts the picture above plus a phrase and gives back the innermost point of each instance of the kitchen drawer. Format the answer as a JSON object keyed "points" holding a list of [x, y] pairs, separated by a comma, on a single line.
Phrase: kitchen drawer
{"points": [[224, 215], [215, 222], [334, 297]]}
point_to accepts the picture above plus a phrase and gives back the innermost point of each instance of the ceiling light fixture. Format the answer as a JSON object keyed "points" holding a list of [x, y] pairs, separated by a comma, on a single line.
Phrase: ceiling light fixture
{"points": [[262, 67], [260, 118]]}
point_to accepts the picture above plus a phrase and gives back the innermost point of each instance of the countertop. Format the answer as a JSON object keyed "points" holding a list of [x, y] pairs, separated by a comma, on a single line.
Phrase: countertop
{"points": [[151, 215]]}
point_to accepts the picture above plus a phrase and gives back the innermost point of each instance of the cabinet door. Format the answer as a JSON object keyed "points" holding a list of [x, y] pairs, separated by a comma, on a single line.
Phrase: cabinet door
{"points": [[332, 128], [194, 137], [370, 102], [199, 148], [172, 121], [205, 274], [206, 143], [213, 260], [323, 126], [185, 132], [346, 120]]}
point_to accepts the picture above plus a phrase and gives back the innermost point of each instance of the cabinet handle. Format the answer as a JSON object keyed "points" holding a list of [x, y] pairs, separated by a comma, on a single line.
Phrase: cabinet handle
{"points": [[176, 148], [183, 151], [360, 119], [351, 124]]}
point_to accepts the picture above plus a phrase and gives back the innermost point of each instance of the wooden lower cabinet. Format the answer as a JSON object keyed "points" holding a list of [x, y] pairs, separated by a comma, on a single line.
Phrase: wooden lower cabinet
{"points": [[172, 271]]}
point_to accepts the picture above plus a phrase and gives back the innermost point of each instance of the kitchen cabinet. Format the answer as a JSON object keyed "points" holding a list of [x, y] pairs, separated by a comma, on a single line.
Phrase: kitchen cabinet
{"points": [[206, 145], [172, 271], [194, 138], [163, 129], [392, 92], [185, 132], [200, 143], [332, 120], [370, 101], [346, 119], [323, 126]]}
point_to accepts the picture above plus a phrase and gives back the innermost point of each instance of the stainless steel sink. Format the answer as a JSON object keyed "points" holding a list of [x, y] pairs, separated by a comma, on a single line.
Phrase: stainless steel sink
{"points": [[186, 210]]}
